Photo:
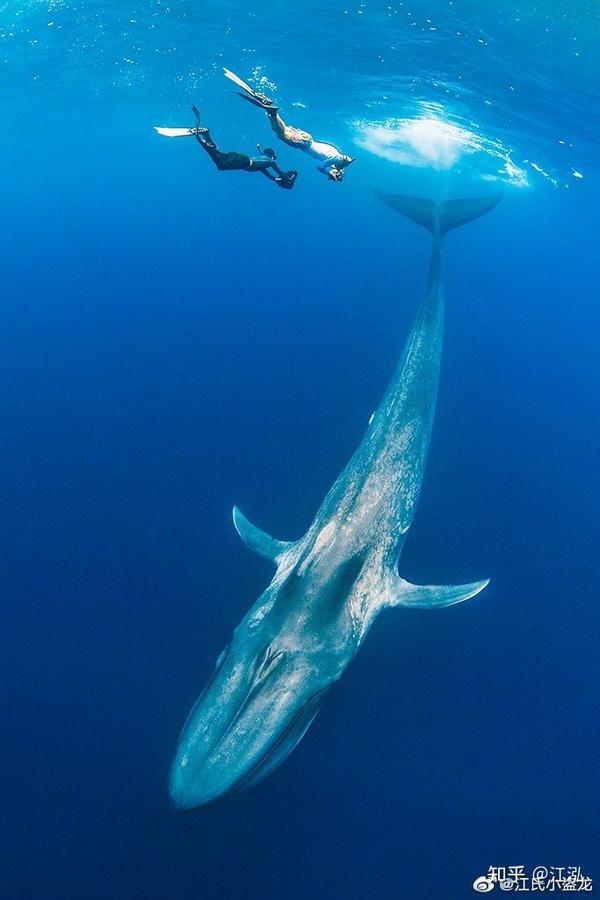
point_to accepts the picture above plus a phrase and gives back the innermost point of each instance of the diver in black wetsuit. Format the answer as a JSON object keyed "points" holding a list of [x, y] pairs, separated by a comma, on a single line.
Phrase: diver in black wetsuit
{"points": [[231, 161]]}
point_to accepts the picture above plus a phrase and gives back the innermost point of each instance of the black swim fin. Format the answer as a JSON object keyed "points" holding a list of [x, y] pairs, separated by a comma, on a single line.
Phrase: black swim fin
{"points": [[254, 100]]}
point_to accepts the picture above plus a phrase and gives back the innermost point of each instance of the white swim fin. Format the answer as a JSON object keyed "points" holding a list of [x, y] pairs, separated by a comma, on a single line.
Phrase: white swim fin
{"points": [[237, 80], [175, 132]]}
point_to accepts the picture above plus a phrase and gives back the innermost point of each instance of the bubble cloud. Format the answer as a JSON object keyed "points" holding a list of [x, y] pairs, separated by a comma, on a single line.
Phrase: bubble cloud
{"points": [[428, 140]]}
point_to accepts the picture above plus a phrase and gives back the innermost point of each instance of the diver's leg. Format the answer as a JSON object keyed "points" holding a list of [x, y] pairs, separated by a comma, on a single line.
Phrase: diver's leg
{"points": [[295, 137], [215, 154], [198, 130], [268, 174], [227, 162], [277, 123], [203, 137]]}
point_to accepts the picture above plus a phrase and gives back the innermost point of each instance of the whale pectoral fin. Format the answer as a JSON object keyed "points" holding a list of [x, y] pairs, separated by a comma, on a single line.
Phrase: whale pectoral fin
{"points": [[432, 596], [258, 541]]}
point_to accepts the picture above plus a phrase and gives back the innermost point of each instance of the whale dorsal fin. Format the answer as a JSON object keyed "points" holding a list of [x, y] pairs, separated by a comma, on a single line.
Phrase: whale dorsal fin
{"points": [[256, 539], [432, 596]]}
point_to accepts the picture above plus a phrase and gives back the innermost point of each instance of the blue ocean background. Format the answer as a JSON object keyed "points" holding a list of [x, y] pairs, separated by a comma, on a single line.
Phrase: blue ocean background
{"points": [[175, 340]]}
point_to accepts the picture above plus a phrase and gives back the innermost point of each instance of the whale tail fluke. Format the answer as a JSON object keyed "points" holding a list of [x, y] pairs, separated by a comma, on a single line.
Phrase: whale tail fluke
{"points": [[438, 218]]}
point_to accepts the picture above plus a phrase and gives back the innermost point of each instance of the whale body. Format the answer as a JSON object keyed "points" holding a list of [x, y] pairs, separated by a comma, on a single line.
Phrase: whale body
{"points": [[302, 632]]}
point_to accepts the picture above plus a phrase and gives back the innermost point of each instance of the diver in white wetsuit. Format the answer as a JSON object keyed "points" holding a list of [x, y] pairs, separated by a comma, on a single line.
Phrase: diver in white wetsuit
{"points": [[332, 161]]}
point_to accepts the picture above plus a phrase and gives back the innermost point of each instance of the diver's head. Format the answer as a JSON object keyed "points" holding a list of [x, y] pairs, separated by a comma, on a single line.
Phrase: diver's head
{"points": [[268, 151]]}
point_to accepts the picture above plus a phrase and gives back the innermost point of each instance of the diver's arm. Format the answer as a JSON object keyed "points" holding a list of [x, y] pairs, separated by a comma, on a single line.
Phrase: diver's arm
{"points": [[272, 164], [329, 168], [268, 174]]}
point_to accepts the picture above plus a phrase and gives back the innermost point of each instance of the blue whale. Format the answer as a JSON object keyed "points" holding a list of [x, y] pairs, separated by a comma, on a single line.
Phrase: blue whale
{"points": [[328, 587]]}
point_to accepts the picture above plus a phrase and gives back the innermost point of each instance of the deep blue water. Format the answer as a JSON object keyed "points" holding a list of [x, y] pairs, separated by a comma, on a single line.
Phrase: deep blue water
{"points": [[174, 341]]}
